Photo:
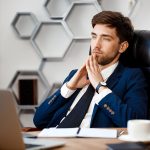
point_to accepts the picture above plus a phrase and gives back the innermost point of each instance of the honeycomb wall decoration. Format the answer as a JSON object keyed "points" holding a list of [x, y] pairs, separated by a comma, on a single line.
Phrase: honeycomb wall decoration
{"points": [[24, 24], [57, 9], [42, 84], [47, 40], [56, 42], [81, 26], [127, 8]]}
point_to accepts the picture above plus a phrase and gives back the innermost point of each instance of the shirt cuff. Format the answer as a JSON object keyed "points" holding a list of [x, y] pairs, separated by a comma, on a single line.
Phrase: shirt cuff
{"points": [[65, 91], [101, 95]]}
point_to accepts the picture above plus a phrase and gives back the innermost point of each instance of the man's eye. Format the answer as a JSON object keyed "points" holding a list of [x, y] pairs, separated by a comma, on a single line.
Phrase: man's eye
{"points": [[93, 37], [107, 39]]}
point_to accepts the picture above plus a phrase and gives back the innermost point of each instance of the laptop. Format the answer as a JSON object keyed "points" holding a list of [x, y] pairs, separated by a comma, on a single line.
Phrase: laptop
{"points": [[10, 130]]}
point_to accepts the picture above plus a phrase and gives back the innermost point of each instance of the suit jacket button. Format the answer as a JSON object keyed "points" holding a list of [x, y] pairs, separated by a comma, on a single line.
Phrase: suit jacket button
{"points": [[110, 110], [105, 105], [112, 113]]}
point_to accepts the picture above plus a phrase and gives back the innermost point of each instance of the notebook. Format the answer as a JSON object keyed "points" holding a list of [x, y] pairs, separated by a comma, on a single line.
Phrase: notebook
{"points": [[10, 131], [78, 132]]}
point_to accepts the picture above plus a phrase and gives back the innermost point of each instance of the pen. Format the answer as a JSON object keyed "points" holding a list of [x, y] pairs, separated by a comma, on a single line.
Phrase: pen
{"points": [[34, 137], [78, 130], [29, 136], [121, 132]]}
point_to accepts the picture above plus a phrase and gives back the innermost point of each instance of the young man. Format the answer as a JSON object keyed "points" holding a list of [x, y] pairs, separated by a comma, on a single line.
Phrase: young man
{"points": [[119, 93]]}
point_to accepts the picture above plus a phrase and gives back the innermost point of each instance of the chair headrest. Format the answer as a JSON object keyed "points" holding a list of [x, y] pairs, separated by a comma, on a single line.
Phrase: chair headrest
{"points": [[138, 53]]}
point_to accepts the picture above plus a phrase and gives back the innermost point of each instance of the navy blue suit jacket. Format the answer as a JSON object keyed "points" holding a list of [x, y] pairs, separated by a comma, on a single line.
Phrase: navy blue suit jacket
{"points": [[128, 100]]}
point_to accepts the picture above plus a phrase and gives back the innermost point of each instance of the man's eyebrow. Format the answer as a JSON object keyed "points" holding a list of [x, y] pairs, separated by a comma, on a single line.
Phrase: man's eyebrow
{"points": [[104, 35], [92, 33]]}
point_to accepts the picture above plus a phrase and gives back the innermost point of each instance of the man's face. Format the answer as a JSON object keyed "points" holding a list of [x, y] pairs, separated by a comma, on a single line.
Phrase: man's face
{"points": [[105, 44]]}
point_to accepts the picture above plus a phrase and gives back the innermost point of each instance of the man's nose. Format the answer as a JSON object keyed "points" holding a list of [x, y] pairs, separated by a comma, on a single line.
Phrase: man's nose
{"points": [[98, 42]]}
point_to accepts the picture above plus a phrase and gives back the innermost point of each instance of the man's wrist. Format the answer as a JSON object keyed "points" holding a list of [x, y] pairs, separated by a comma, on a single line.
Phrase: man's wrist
{"points": [[100, 86], [66, 92], [70, 87]]}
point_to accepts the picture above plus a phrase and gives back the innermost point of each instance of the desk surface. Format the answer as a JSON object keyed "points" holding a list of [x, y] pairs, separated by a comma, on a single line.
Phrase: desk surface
{"points": [[84, 143]]}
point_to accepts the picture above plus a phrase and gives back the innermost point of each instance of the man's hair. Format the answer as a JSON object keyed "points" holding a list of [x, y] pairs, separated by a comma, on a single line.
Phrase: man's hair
{"points": [[116, 20]]}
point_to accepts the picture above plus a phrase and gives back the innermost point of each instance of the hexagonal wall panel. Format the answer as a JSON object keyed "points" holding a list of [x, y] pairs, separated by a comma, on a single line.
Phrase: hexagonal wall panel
{"points": [[57, 8], [24, 24], [42, 86], [56, 72], [79, 18], [52, 39], [126, 7], [140, 17], [26, 117]]}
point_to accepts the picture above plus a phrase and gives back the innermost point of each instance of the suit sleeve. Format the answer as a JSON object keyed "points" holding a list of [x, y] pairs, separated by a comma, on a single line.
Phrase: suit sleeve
{"points": [[132, 104], [46, 110]]}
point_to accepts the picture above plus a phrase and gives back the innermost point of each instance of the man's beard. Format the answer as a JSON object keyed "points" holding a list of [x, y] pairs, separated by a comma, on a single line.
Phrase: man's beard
{"points": [[104, 60]]}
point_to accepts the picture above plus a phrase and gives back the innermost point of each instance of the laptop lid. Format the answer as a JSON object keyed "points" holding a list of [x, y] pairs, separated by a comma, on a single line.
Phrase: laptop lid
{"points": [[10, 131]]}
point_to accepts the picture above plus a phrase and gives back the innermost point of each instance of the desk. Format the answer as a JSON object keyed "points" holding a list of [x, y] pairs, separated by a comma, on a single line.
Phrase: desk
{"points": [[87, 143], [84, 143]]}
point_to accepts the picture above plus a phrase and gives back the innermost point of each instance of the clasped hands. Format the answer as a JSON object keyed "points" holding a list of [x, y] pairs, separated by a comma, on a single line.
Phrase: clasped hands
{"points": [[90, 72]]}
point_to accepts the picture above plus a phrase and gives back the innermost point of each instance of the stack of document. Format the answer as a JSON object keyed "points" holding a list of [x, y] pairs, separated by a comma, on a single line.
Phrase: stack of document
{"points": [[78, 132]]}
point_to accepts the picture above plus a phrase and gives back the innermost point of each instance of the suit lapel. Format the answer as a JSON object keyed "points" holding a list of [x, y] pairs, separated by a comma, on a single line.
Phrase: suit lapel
{"points": [[115, 76], [111, 82]]}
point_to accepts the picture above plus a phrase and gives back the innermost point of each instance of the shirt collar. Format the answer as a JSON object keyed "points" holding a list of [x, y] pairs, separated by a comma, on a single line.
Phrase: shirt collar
{"points": [[108, 71]]}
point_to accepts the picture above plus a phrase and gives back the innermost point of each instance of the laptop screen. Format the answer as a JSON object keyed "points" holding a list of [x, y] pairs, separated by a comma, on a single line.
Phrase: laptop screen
{"points": [[10, 131]]}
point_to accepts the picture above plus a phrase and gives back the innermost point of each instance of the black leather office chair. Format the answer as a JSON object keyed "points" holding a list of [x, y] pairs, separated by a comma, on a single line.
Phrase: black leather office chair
{"points": [[138, 55]]}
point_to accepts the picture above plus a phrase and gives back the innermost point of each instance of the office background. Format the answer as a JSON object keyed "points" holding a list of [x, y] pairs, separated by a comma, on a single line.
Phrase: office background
{"points": [[46, 39]]}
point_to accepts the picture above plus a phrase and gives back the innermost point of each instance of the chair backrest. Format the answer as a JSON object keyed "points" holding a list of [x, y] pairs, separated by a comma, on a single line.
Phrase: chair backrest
{"points": [[138, 55]]}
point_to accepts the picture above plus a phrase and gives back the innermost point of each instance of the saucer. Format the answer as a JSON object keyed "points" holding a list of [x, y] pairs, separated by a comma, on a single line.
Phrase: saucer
{"points": [[129, 138]]}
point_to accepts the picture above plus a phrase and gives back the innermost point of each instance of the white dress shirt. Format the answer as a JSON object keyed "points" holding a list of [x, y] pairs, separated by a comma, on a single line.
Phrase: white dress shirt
{"points": [[66, 93]]}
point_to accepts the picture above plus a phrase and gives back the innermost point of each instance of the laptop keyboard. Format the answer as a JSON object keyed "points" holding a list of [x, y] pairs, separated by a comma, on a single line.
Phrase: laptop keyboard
{"points": [[31, 145]]}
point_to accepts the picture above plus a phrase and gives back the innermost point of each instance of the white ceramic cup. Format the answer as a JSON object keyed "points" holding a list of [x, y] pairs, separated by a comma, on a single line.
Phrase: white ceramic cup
{"points": [[139, 129]]}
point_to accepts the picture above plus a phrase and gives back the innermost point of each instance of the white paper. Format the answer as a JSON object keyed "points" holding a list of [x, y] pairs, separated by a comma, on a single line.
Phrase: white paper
{"points": [[58, 132], [97, 132], [83, 132]]}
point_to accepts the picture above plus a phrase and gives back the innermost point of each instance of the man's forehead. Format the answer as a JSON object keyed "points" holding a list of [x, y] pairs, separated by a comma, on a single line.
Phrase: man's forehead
{"points": [[101, 29]]}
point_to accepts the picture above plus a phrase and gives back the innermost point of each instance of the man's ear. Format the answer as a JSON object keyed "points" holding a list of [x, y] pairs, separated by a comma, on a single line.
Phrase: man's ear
{"points": [[123, 46]]}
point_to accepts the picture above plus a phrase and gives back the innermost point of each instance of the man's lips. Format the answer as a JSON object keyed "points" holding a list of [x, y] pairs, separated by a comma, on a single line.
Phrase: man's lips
{"points": [[96, 52]]}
